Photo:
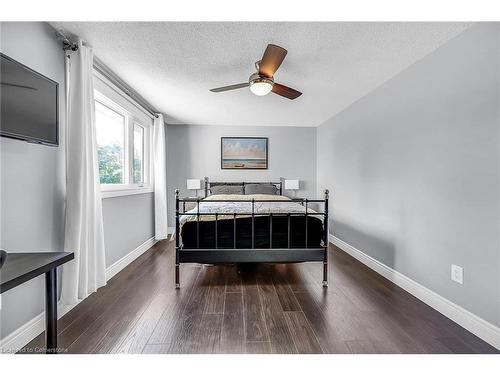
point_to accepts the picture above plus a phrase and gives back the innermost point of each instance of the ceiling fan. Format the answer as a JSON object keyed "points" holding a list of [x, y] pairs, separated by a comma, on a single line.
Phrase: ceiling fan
{"points": [[262, 82]]}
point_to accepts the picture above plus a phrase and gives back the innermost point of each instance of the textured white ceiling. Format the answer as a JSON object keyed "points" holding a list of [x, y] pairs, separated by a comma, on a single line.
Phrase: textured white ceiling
{"points": [[174, 64]]}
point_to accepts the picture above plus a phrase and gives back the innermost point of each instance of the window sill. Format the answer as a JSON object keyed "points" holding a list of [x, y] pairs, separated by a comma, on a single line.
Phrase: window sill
{"points": [[123, 192]]}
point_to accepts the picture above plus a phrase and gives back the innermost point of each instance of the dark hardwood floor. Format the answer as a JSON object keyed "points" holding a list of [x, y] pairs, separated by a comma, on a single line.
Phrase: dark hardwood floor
{"points": [[256, 309]]}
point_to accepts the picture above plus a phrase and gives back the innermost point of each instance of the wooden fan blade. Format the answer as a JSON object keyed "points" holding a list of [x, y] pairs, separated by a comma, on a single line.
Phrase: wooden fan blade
{"points": [[231, 87], [272, 59], [285, 91]]}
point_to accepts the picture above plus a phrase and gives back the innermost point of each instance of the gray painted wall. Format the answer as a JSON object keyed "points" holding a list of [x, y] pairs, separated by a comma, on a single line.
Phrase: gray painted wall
{"points": [[33, 185], [32, 176], [414, 171], [128, 222], [413, 168], [193, 151]]}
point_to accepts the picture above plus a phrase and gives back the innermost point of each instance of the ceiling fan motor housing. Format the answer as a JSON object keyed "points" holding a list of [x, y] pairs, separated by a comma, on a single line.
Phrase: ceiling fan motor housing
{"points": [[256, 77]]}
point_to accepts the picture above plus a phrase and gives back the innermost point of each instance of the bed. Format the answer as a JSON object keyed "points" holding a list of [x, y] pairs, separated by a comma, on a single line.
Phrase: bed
{"points": [[261, 226]]}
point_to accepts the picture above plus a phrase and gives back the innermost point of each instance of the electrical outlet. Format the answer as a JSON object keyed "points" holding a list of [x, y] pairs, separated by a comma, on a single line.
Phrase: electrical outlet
{"points": [[457, 274]]}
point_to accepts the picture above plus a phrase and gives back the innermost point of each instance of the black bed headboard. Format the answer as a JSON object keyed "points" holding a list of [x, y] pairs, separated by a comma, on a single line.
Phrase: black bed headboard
{"points": [[209, 184]]}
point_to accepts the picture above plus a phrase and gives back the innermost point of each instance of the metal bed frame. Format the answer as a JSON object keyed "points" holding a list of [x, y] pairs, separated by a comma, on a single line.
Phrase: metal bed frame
{"points": [[250, 255]]}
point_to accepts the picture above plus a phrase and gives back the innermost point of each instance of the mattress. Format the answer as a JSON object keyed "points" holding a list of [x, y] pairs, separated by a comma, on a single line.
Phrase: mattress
{"points": [[238, 233]]}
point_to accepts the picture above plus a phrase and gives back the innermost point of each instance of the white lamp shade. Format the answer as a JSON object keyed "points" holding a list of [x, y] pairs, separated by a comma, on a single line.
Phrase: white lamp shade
{"points": [[193, 184], [291, 184], [261, 88]]}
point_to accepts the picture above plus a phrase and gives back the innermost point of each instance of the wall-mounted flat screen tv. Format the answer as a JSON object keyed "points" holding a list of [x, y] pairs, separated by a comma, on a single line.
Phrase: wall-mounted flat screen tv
{"points": [[29, 104]]}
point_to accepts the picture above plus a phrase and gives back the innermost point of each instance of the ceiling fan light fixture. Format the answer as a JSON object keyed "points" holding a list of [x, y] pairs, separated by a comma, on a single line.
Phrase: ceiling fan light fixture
{"points": [[261, 86], [262, 82]]}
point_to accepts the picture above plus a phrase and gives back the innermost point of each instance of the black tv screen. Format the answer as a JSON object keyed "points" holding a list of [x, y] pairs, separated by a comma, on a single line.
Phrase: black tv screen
{"points": [[29, 104]]}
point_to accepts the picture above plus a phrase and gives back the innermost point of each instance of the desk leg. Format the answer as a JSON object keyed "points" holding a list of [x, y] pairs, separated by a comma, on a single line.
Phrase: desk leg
{"points": [[51, 310]]}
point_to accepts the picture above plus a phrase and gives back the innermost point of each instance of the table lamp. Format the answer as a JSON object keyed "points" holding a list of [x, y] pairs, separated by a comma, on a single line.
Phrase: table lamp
{"points": [[194, 184], [292, 185]]}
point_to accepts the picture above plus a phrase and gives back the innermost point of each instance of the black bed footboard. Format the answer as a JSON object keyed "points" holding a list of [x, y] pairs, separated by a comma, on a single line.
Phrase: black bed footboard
{"points": [[251, 255], [251, 237]]}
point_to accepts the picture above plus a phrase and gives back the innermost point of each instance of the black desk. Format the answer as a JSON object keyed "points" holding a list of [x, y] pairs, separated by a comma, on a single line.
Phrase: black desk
{"points": [[21, 267]]}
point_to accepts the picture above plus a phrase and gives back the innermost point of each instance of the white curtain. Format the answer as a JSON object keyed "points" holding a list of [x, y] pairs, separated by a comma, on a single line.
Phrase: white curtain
{"points": [[84, 234], [160, 178]]}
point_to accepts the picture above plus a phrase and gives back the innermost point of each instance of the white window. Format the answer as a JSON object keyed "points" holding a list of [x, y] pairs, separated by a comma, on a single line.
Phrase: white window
{"points": [[123, 149], [138, 168]]}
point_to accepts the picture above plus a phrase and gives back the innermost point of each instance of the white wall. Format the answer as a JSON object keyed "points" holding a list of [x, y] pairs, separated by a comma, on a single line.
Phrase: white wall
{"points": [[414, 171], [193, 151]]}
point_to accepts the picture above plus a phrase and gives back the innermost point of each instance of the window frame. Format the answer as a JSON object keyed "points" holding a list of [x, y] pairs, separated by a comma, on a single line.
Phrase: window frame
{"points": [[145, 152], [128, 187]]}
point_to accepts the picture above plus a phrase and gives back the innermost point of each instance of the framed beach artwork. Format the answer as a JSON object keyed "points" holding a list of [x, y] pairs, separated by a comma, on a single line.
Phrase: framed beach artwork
{"points": [[243, 153]]}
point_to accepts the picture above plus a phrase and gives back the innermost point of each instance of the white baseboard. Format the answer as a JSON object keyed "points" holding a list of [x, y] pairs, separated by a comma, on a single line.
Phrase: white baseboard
{"points": [[129, 258], [471, 322], [27, 332], [21, 336]]}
